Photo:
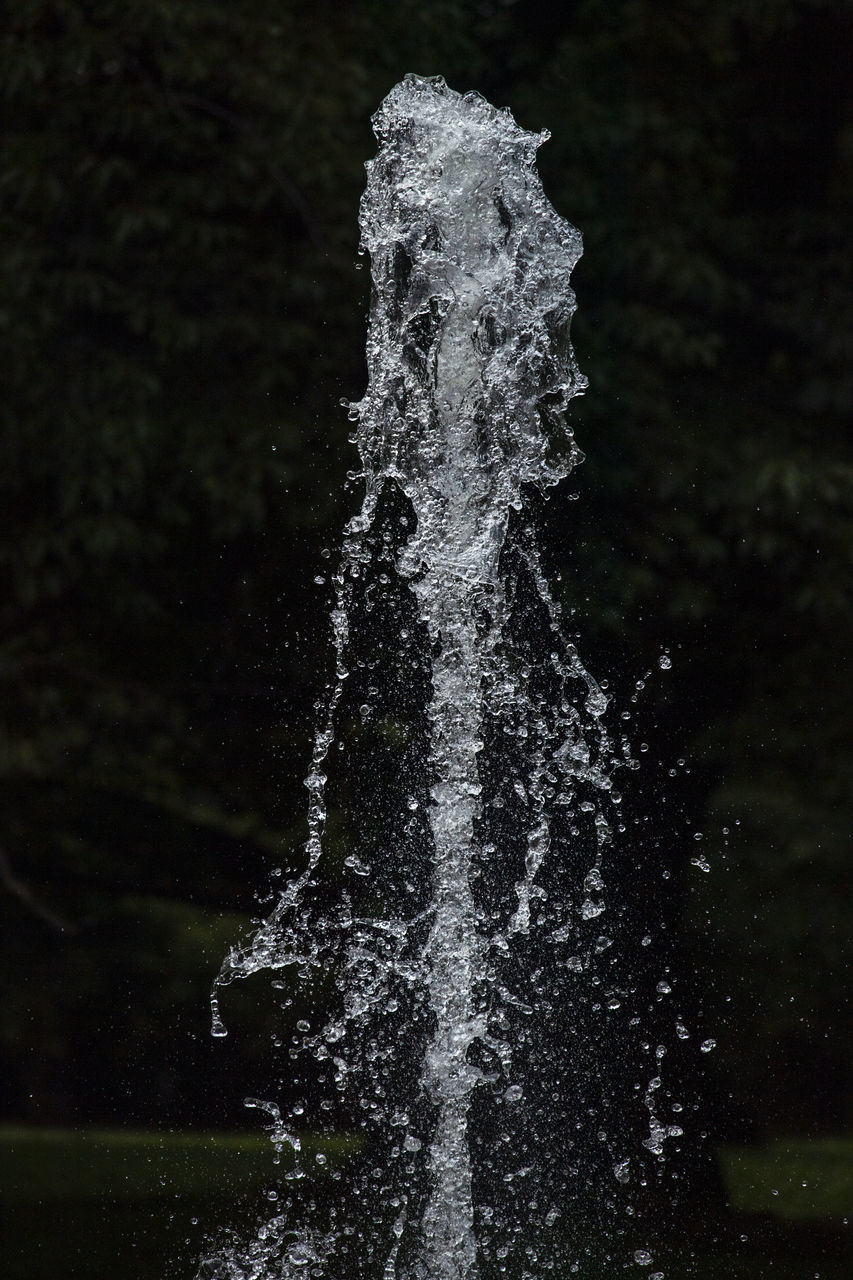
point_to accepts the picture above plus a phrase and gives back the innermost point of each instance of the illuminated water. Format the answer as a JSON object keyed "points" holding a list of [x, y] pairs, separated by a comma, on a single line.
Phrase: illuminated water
{"points": [[466, 930]]}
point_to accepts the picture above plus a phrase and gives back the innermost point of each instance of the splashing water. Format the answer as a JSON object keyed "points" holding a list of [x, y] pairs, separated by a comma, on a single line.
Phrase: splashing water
{"points": [[466, 940]]}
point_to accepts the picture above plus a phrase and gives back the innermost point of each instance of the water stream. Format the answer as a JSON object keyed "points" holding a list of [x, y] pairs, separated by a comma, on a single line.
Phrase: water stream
{"points": [[474, 977]]}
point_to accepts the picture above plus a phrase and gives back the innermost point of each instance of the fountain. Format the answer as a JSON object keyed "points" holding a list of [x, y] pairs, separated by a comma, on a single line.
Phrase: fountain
{"points": [[476, 987]]}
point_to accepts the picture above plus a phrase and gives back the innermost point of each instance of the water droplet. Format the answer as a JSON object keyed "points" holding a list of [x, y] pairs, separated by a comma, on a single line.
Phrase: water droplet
{"points": [[665, 662], [707, 1045], [217, 1026], [642, 1257], [300, 1255]]}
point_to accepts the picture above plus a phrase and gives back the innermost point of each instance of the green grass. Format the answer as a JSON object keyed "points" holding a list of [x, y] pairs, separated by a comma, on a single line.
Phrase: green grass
{"points": [[795, 1179], [83, 1205], [117, 1164]]}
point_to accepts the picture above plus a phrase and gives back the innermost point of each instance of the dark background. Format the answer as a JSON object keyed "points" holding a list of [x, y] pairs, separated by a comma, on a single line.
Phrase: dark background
{"points": [[181, 313]]}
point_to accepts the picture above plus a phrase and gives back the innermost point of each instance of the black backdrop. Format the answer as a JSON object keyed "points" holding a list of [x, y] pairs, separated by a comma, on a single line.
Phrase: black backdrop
{"points": [[182, 313]]}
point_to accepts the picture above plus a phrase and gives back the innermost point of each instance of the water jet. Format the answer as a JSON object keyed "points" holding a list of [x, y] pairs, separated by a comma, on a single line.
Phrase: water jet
{"points": [[476, 981]]}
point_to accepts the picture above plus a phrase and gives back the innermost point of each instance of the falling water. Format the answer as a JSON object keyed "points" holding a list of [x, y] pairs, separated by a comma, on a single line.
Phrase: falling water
{"points": [[466, 939]]}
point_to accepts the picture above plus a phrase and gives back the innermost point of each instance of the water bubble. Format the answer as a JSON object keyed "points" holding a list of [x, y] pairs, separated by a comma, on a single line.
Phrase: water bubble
{"points": [[642, 1257], [707, 1045], [665, 662]]}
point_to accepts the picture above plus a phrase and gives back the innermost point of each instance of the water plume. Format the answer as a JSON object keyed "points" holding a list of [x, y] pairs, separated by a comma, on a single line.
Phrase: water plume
{"points": [[467, 929]]}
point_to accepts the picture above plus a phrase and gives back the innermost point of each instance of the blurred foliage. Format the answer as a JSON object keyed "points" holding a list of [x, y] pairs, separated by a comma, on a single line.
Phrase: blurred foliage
{"points": [[181, 315], [797, 1180]]}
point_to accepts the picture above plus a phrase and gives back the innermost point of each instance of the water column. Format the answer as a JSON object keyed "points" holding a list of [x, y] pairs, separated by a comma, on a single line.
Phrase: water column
{"points": [[469, 368]]}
